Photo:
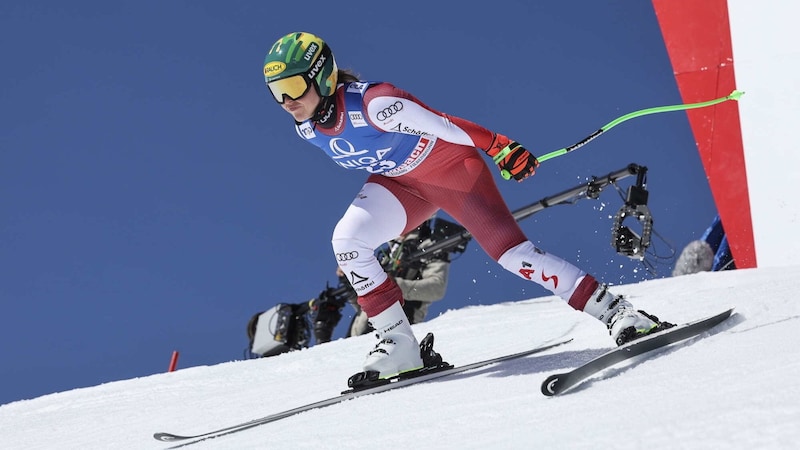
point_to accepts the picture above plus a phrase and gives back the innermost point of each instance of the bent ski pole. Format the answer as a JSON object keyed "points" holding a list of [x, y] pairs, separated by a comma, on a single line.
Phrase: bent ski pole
{"points": [[735, 95]]}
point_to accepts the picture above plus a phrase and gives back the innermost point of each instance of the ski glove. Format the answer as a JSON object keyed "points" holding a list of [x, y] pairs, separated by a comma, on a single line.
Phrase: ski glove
{"points": [[512, 158]]}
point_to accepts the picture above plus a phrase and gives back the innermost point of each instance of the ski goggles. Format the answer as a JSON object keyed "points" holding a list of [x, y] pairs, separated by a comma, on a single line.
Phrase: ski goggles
{"points": [[293, 87]]}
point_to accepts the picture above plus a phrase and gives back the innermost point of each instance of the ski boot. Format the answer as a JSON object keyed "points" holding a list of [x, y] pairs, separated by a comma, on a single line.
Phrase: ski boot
{"points": [[397, 353], [624, 322]]}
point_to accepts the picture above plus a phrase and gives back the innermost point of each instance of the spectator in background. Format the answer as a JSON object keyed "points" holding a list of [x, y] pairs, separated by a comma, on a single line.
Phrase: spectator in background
{"points": [[286, 327], [710, 253]]}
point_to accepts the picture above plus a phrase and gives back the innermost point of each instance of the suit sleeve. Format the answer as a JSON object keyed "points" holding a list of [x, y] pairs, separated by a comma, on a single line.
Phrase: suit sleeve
{"points": [[393, 110]]}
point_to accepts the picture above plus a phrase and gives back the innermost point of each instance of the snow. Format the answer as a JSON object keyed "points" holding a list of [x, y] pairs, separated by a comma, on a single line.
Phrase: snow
{"points": [[736, 387]]}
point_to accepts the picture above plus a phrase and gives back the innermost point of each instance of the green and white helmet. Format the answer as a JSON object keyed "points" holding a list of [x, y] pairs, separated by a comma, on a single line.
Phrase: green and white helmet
{"points": [[298, 61]]}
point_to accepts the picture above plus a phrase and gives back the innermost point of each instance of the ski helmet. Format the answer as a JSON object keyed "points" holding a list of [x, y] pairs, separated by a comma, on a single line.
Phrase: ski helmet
{"points": [[298, 61]]}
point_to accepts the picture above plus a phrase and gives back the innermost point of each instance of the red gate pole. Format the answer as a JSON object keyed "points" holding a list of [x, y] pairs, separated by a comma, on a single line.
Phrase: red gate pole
{"points": [[173, 363]]}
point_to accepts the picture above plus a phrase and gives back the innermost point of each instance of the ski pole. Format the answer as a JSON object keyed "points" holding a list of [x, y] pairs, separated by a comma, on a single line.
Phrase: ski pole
{"points": [[735, 95]]}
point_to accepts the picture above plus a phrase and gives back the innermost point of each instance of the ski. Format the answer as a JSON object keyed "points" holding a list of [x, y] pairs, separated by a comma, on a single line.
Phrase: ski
{"points": [[558, 383], [393, 383]]}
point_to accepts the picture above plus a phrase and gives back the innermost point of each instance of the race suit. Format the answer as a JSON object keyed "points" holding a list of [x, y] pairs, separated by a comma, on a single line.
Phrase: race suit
{"points": [[421, 160]]}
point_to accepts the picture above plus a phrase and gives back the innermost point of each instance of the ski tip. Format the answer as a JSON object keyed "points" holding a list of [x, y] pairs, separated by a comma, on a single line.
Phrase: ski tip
{"points": [[552, 385], [723, 315], [167, 437]]}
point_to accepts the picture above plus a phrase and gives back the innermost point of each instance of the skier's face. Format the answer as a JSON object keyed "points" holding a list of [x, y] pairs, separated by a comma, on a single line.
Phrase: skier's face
{"points": [[303, 107]]}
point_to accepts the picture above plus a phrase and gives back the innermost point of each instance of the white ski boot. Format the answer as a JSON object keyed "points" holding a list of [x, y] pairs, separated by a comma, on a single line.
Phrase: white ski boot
{"points": [[624, 322], [398, 350]]}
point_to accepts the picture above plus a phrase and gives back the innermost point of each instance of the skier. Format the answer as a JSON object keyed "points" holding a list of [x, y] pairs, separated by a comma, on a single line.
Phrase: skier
{"points": [[419, 160]]}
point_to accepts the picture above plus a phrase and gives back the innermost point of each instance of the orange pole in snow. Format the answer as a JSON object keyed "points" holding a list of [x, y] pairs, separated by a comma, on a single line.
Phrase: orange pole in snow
{"points": [[173, 363]]}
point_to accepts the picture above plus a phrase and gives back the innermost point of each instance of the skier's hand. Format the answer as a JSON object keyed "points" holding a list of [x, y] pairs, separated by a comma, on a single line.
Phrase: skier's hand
{"points": [[512, 158]]}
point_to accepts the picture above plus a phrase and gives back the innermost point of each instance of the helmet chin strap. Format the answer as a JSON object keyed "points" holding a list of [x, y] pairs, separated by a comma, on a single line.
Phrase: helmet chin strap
{"points": [[324, 113]]}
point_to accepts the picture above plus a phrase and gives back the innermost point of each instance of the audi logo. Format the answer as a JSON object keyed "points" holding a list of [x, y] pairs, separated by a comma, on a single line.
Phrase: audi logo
{"points": [[348, 256], [389, 111]]}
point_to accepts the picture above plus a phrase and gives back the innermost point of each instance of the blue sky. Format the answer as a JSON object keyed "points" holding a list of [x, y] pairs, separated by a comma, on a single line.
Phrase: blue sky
{"points": [[153, 196]]}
